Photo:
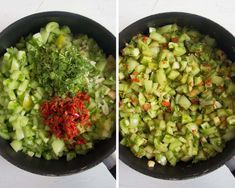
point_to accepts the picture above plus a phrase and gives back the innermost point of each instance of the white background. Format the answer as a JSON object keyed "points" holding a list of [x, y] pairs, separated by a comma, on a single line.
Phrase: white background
{"points": [[220, 11], [103, 12]]}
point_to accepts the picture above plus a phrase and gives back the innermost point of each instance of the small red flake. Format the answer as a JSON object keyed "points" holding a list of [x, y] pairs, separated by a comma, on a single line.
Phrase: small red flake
{"points": [[81, 141], [135, 80], [195, 101], [145, 38], [166, 103], [174, 39], [135, 73], [169, 109], [208, 82]]}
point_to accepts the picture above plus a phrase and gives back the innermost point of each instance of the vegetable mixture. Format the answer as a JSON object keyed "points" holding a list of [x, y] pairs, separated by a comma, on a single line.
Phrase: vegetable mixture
{"points": [[57, 94], [176, 96]]}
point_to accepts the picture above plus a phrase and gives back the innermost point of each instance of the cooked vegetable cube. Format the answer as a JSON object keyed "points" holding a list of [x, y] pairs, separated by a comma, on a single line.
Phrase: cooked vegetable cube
{"points": [[181, 103]]}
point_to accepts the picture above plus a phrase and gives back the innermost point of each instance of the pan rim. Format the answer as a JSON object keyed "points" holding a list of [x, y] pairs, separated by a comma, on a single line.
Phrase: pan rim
{"points": [[121, 147], [110, 150]]}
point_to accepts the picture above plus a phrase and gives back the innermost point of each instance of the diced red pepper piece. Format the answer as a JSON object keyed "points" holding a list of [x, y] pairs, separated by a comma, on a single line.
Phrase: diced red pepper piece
{"points": [[80, 141], [135, 73], [166, 103], [208, 82], [135, 80]]}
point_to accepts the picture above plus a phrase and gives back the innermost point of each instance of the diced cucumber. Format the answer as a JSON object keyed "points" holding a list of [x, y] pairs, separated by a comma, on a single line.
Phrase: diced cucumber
{"points": [[179, 50], [231, 119], [173, 74], [182, 107], [157, 37], [58, 146], [16, 145], [184, 102], [148, 85], [161, 77], [131, 64]]}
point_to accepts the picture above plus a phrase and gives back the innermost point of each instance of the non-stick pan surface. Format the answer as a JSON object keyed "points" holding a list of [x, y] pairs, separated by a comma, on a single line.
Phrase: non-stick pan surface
{"points": [[77, 24], [226, 42]]}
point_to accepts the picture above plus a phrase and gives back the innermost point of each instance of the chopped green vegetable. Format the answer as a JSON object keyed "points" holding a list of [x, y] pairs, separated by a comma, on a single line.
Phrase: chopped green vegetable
{"points": [[177, 101], [56, 63]]}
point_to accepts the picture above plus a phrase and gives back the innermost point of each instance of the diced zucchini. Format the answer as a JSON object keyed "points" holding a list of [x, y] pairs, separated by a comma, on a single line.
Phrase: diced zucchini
{"points": [[151, 164]]}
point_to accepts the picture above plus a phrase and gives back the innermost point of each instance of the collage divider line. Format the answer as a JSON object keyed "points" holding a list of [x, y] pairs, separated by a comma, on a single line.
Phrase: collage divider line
{"points": [[117, 93]]}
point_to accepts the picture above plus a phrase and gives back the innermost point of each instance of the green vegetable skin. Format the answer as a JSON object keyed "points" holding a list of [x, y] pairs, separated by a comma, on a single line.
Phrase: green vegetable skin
{"points": [[176, 96], [54, 62]]}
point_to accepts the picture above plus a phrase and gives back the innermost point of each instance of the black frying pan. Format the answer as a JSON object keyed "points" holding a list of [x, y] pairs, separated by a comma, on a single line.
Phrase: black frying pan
{"points": [[226, 42], [77, 24]]}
